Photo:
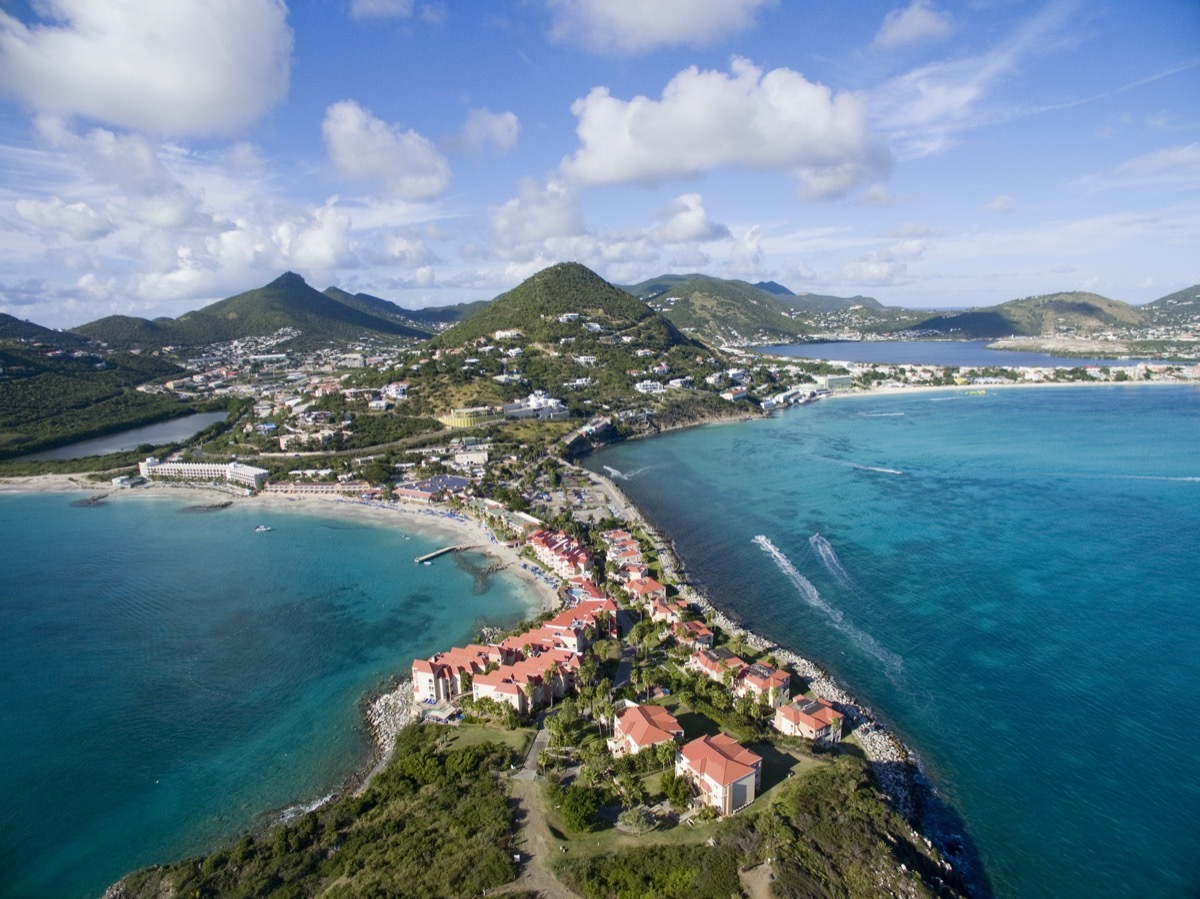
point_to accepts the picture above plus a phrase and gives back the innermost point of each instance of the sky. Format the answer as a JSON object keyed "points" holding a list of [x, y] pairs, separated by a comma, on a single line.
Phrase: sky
{"points": [[158, 155]]}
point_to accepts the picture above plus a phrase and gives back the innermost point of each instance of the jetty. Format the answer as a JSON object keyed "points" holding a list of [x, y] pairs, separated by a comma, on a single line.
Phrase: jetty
{"points": [[429, 557]]}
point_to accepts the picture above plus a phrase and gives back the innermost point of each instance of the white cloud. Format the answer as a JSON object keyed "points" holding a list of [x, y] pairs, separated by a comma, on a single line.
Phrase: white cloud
{"points": [[876, 270], [1171, 163], [916, 23], [484, 129], [365, 148], [637, 26], [1001, 203], [746, 256], [77, 220], [878, 195], [381, 9], [522, 226], [685, 220], [179, 67], [926, 107], [707, 120]]}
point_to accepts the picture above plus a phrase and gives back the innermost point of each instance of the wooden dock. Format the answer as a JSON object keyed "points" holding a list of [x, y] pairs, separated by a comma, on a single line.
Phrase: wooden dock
{"points": [[429, 557]]}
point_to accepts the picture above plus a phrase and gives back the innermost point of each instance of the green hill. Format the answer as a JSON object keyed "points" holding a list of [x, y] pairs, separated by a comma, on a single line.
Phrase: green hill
{"points": [[287, 302], [816, 302], [1179, 308], [567, 301], [16, 331], [1072, 312], [720, 312], [379, 308]]}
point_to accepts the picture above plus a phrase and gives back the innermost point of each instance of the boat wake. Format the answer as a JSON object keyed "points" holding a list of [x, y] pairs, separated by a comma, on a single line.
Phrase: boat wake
{"points": [[877, 469], [881, 414], [832, 563], [892, 664], [620, 475]]}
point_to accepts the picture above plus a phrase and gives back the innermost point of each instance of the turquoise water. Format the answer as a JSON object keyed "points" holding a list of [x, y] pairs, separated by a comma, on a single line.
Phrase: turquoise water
{"points": [[172, 679], [1009, 580]]}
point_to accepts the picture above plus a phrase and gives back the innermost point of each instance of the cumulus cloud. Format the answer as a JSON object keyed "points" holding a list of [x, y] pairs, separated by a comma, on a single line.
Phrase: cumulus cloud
{"points": [[705, 120], [77, 220], [183, 67], [685, 220], [484, 129], [637, 26], [365, 148], [522, 226], [916, 23]]}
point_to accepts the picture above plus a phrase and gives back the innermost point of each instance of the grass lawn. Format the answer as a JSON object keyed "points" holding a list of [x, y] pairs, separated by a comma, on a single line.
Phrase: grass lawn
{"points": [[474, 734]]}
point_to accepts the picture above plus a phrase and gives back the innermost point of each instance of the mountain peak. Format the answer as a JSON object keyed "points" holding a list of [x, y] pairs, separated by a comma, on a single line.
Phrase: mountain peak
{"points": [[288, 279]]}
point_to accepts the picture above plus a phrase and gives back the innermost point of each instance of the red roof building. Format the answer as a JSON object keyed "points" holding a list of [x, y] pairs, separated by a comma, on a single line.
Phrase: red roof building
{"points": [[813, 719], [642, 726], [726, 775]]}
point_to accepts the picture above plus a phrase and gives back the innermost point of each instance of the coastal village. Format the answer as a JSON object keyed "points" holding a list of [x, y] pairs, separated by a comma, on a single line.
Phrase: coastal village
{"points": [[631, 704]]}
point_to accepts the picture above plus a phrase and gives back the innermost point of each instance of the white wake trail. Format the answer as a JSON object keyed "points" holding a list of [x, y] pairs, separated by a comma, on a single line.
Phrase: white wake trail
{"points": [[831, 561], [613, 473], [892, 663]]}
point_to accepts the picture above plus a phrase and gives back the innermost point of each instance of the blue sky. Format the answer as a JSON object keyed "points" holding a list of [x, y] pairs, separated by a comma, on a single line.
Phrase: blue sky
{"points": [[156, 156]]}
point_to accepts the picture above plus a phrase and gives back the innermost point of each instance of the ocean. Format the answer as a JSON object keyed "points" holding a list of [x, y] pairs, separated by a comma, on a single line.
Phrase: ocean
{"points": [[1009, 580], [170, 679]]}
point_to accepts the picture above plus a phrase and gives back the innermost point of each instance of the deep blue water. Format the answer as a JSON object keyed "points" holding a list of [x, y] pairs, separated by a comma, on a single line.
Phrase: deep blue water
{"points": [[964, 353], [1009, 580], [169, 680], [162, 432]]}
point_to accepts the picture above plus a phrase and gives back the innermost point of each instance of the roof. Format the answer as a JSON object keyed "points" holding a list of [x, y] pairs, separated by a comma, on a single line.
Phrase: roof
{"points": [[647, 725], [814, 713], [721, 759]]}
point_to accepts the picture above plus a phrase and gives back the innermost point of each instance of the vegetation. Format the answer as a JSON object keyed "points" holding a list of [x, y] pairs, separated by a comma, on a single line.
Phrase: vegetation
{"points": [[287, 302], [51, 398], [434, 823]]}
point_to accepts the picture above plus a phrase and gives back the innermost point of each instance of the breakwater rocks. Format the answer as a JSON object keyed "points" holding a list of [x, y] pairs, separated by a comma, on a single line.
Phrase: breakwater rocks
{"points": [[388, 713]]}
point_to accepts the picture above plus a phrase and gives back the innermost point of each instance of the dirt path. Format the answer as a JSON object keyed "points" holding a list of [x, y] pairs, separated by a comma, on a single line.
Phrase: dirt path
{"points": [[535, 844]]}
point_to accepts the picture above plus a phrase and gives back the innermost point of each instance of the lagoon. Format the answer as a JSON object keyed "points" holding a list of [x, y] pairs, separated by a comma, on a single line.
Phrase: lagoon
{"points": [[173, 431], [963, 353]]}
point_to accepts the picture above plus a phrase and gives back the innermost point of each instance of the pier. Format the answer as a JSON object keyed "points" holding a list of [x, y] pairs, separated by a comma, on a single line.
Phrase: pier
{"points": [[429, 557]]}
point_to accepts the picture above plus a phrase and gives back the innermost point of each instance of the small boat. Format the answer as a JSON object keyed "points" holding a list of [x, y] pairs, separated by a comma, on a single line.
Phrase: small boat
{"points": [[261, 529]]}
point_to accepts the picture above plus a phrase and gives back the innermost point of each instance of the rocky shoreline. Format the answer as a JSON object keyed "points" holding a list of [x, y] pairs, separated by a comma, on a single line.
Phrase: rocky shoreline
{"points": [[896, 768]]}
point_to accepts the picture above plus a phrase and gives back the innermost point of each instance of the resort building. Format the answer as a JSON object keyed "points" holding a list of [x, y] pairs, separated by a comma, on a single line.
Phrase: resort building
{"points": [[813, 719], [693, 633], [764, 683], [538, 404], [726, 775], [639, 727], [564, 555], [716, 664], [231, 472]]}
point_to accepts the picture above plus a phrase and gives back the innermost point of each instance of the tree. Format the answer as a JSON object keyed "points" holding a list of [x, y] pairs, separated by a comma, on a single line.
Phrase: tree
{"points": [[579, 807]]}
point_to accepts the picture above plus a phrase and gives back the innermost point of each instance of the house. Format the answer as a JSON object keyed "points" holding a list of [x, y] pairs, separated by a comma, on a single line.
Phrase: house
{"points": [[668, 609], [726, 775], [714, 663], [639, 727], [645, 589], [813, 719], [693, 633], [761, 682]]}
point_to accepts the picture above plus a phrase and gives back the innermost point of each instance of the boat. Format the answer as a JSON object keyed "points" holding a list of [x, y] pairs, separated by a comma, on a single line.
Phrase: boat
{"points": [[261, 529]]}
